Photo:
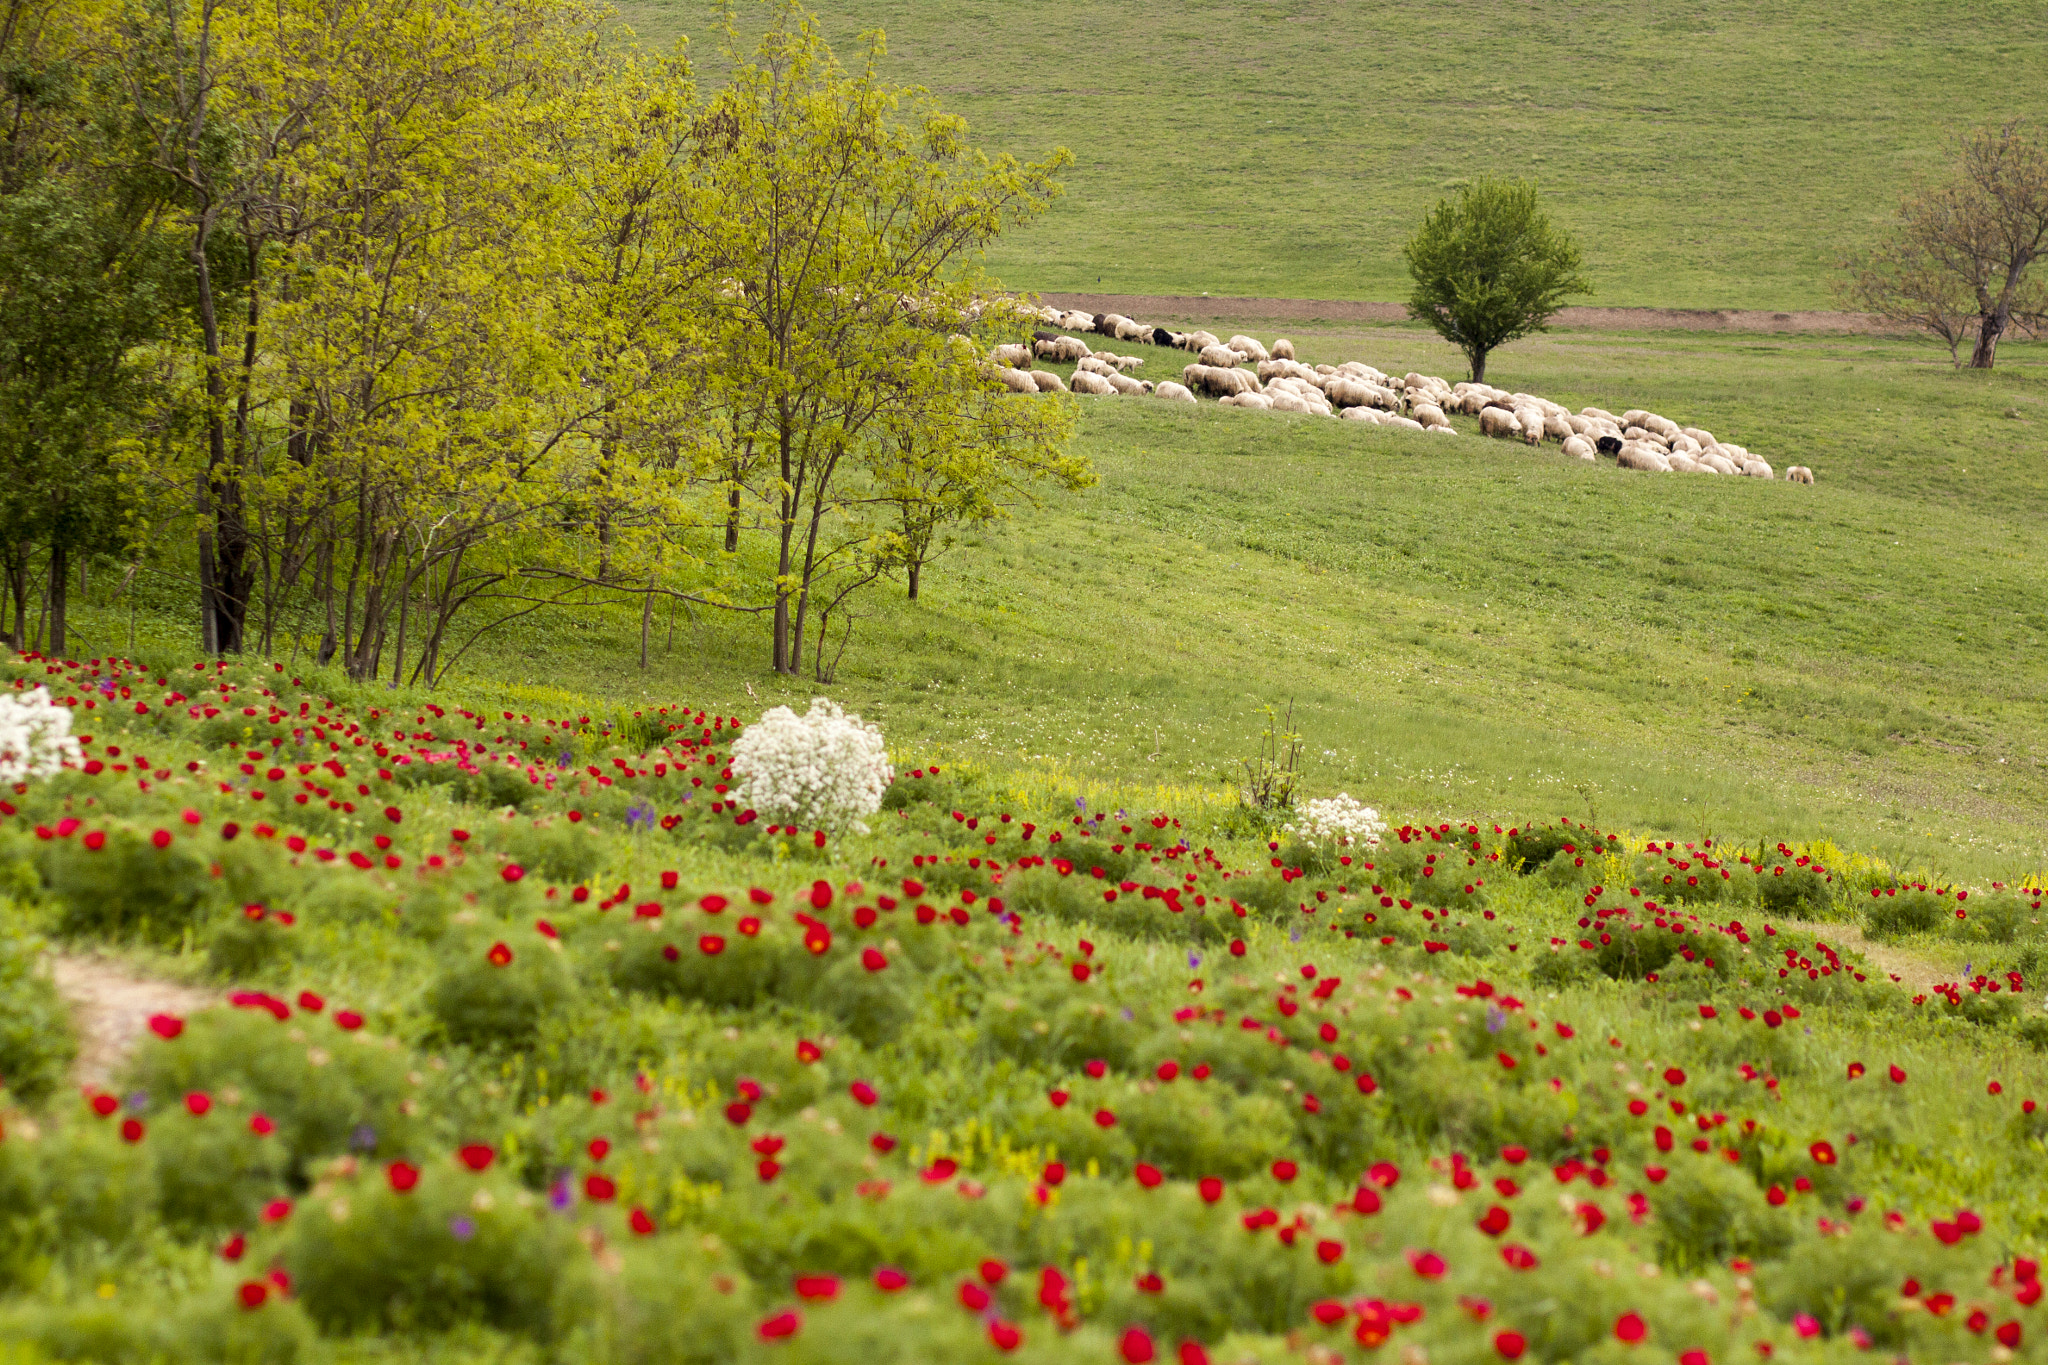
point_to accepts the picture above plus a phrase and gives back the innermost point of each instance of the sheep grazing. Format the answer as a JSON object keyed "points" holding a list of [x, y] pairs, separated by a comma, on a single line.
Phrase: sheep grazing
{"points": [[1799, 473], [1048, 382], [1196, 341], [1347, 392], [1223, 357], [1161, 337], [1109, 324], [1579, 448], [1405, 423], [1757, 469], [1634, 456], [1498, 422], [1430, 415], [1361, 414], [1016, 355], [1078, 322], [1061, 349], [1126, 385], [1285, 400], [1084, 382], [1607, 443], [1121, 362], [1221, 381], [1283, 349], [1089, 364], [1246, 400], [1720, 464], [1178, 393], [1248, 348], [1531, 419], [1016, 380], [1278, 367]]}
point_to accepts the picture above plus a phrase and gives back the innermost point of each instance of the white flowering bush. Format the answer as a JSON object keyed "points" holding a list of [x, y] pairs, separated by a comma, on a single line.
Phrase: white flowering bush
{"points": [[35, 736], [1338, 820], [821, 770]]}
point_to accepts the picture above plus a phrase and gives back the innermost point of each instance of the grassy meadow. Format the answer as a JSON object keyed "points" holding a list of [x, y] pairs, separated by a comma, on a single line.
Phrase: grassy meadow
{"points": [[1712, 155], [1469, 629]]}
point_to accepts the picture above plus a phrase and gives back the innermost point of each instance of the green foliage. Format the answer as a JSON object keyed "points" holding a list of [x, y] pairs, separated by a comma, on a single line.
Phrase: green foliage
{"points": [[1490, 268], [455, 1248], [1909, 911], [36, 1043], [488, 995], [129, 886]]}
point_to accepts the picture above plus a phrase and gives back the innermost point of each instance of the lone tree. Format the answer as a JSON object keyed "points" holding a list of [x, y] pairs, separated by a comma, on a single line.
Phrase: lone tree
{"points": [[1957, 258], [1490, 268]]}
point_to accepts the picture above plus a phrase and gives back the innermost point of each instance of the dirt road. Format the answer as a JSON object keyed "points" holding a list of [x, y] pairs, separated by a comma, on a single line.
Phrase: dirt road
{"points": [[1162, 308]]}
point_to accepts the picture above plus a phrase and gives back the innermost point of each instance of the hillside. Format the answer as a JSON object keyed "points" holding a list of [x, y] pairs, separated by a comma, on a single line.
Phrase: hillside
{"points": [[1708, 155], [1466, 629]]}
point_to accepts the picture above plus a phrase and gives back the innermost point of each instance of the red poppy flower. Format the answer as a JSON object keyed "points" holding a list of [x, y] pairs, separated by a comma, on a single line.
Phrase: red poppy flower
{"points": [[889, 1279], [862, 1093], [1104, 1119], [1518, 1257], [1004, 1336], [166, 1026], [1135, 1346], [348, 1021], [252, 1294], [711, 945], [1510, 1345], [1822, 1153], [131, 1130], [499, 955], [402, 1176], [1495, 1221], [817, 1288], [642, 1225], [1210, 1188], [1855, 1070], [1384, 1174], [1148, 1176], [1898, 1075], [1329, 1252], [782, 1325], [973, 1297], [276, 1211], [807, 1051], [872, 959], [1630, 1328], [476, 1156], [1284, 1171], [1427, 1264]]}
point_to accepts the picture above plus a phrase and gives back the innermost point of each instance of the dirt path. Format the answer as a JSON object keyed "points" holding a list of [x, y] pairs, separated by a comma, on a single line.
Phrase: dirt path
{"points": [[111, 1006], [1161, 308], [1914, 971]]}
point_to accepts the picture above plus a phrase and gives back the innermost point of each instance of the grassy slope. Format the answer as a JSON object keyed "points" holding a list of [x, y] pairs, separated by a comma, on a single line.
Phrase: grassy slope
{"points": [[1468, 628], [1708, 155]]}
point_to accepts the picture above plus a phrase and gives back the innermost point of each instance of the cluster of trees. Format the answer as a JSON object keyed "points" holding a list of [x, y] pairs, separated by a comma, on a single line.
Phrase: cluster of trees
{"points": [[391, 321]]}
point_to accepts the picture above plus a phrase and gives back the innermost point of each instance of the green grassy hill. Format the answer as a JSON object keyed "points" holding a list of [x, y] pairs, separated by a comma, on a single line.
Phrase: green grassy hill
{"points": [[1708, 155], [1469, 629]]}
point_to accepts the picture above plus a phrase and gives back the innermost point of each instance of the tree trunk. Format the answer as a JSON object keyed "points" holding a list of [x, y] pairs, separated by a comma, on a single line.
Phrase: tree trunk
{"points": [[646, 622], [1478, 359], [915, 569], [1989, 328], [782, 660], [60, 584]]}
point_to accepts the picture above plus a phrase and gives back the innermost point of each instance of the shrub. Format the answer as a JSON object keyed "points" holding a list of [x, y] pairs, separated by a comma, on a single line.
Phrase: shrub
{"points": [[1338, 821], [1794, 892], [453, 1248], [36, 1044], [249, 941], [150, 884], [490, 995], [821, 770], [556, 849], [35, 736], [1532, 848], [1912, 911], [339, 1090]]}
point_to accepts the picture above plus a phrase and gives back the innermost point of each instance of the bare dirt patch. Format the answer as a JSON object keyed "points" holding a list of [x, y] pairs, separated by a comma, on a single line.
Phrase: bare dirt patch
{"points": [[1157, 308], [1916, 972], [111, 1005]]}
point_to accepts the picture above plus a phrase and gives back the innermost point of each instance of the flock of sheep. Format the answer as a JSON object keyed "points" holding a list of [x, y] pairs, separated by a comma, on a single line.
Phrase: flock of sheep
{"points": [[1414, 402]]}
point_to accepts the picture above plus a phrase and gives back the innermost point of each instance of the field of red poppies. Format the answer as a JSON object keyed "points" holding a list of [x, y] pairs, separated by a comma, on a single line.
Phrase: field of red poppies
{"points": [[531, 1043]]}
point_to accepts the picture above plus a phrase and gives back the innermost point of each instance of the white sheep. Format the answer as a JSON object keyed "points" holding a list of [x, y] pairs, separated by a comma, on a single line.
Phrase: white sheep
{"points": [[1222, 357], [1088, 364], [1248, 348], [1579, 448], [1124, 384], [1283, 349], [1757, 469], [1015, 380], [1084, 382], [1015, 355], [1178, 393], [1799, 473], [1636, 456], [1498, 422], [1048, 382], [1219, 380]]}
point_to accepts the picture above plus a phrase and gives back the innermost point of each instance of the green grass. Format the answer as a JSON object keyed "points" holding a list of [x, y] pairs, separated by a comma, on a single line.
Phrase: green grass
{"points": [[1707, 155], [1465, 628]]}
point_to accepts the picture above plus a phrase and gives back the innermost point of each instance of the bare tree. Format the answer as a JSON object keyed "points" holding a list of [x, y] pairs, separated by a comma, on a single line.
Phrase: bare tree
{"points": [[1957, 259]]}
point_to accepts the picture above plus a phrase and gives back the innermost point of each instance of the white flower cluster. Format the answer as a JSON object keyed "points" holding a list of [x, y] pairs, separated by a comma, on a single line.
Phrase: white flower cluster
{"points": [[35, 737], [821, 770], [1339, 820]]}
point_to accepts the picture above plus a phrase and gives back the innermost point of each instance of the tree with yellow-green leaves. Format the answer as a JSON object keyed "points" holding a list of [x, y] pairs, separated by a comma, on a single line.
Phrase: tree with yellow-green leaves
{"points": [[485, 313], [847, 218]]}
